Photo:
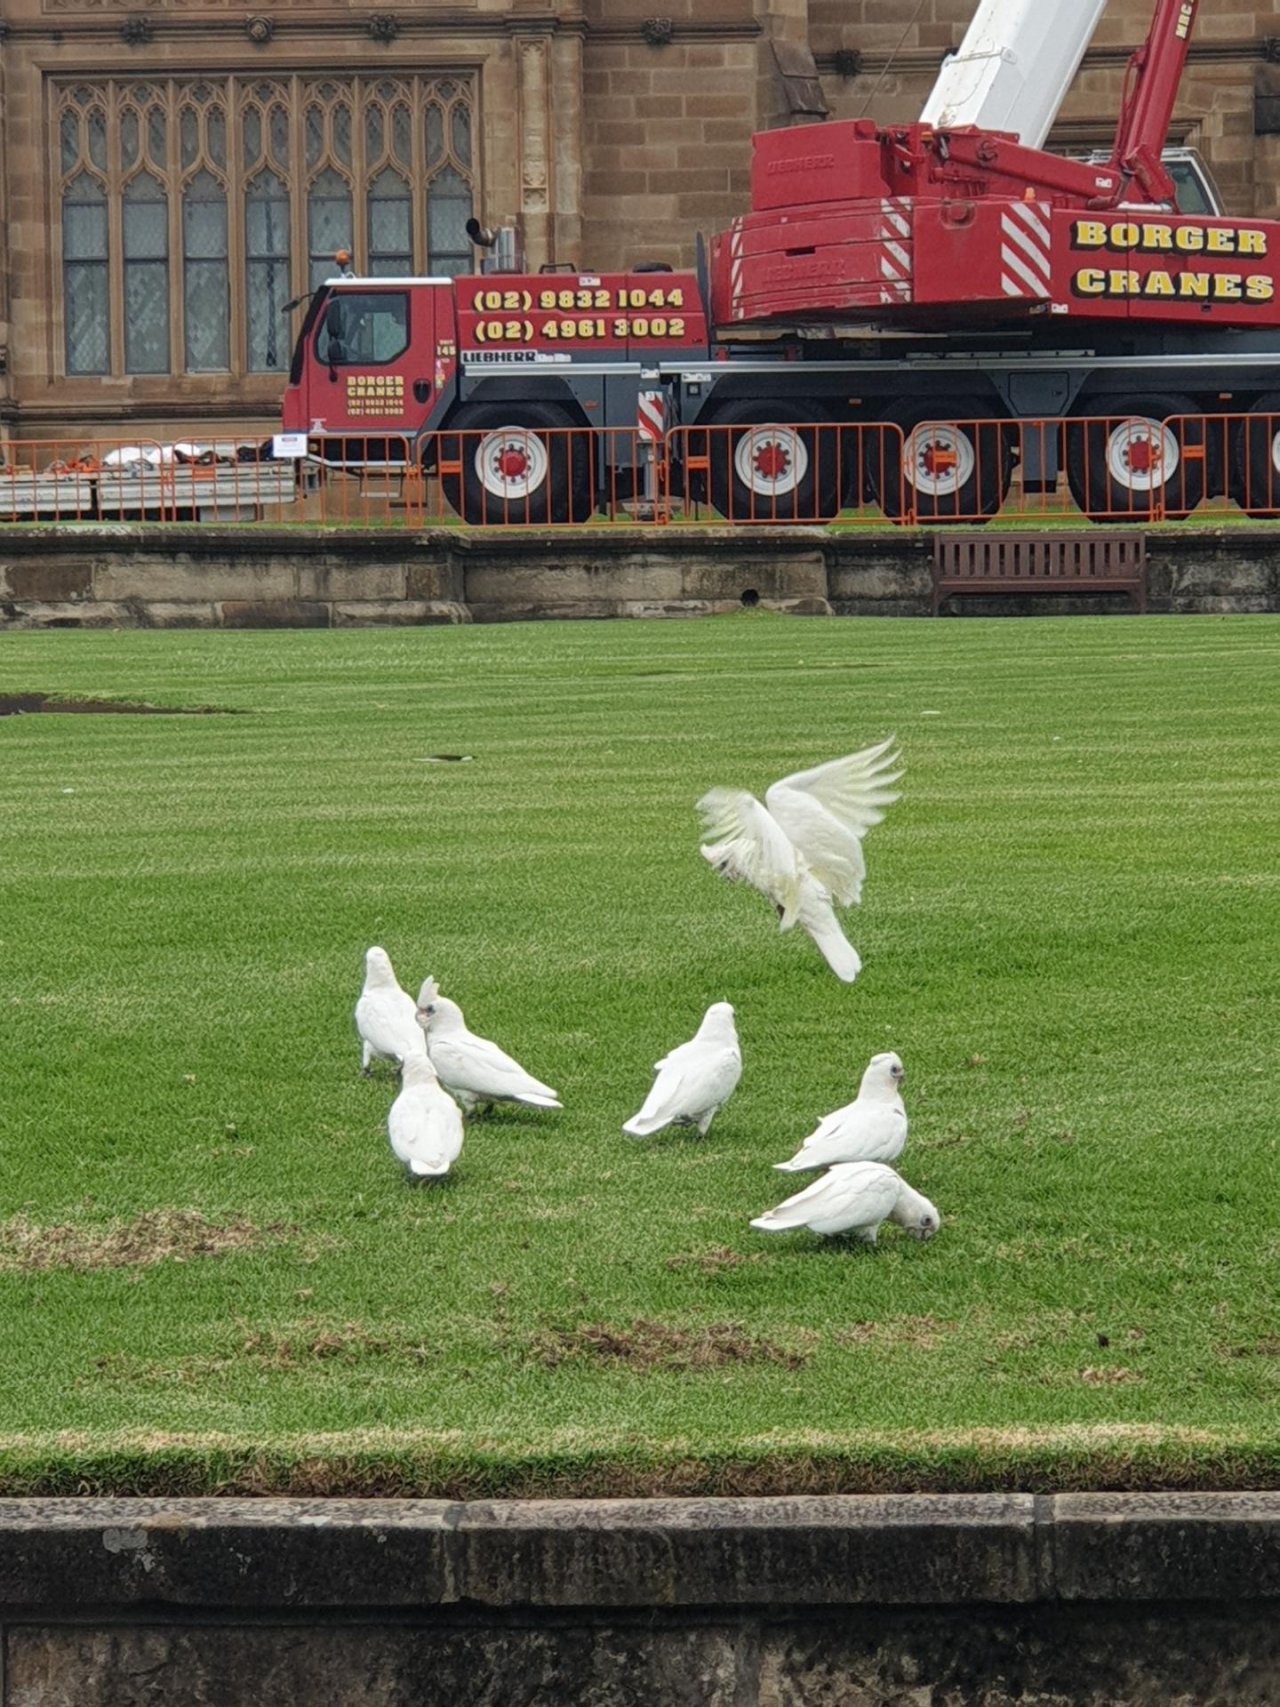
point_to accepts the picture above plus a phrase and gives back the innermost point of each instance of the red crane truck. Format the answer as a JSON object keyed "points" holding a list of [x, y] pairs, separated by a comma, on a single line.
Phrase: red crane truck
{"points": [[948, 277]]}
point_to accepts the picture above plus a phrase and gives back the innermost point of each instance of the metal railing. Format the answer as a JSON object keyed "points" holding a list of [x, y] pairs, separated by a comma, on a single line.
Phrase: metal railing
{"points": [[1138, 466]]}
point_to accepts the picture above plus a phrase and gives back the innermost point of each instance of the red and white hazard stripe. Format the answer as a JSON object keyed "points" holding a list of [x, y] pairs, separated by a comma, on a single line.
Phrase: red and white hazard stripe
{"points": [[1024, 250], [651, 414], [894, 237], [735, 270]]}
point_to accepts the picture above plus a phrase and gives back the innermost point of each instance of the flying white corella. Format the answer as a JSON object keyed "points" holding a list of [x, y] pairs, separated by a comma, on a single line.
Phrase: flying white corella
{"points": [[385, 1014], [695, 1079], [803, 848], [854, 1197], [871, 1128], [424, 1123], [471, 1068]]}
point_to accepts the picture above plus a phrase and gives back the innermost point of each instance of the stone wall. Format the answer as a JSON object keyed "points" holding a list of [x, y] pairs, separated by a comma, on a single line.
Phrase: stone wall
{"points": [[1085, 1600], [160, 577]]}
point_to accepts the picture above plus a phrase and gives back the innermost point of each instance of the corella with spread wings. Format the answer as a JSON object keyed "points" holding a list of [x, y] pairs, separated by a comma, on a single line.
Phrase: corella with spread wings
{"points": [[871, 1128], [694, 1079], [854, 1198], [803, 847]]}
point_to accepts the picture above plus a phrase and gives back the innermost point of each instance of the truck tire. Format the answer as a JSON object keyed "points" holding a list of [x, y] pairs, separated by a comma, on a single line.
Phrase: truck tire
{"points": [[1255, 459], [1132, 463], [952, 467], [773, 462], [522, 464]]}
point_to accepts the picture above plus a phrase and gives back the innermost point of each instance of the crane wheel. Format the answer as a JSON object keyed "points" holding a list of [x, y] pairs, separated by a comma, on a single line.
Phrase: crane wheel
{"points": [[773, 462], [944, 468], [522, 463], [1137, 459], [1255, 459]]}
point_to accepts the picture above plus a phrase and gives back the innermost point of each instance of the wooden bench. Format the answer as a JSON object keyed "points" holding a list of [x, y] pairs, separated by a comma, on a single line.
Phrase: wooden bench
{"points": [[1011, 563]]}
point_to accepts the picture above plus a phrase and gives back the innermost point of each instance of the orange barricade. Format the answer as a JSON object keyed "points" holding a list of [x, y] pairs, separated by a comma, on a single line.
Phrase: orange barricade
{"points": [[1140, 465]]}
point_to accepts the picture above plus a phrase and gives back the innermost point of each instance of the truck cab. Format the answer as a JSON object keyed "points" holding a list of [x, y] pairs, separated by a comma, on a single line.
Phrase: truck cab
{"points": [[371, 365]]}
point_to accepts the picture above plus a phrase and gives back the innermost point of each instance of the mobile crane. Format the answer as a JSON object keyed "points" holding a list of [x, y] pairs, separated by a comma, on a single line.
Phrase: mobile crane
{"points": [[948, 277]]}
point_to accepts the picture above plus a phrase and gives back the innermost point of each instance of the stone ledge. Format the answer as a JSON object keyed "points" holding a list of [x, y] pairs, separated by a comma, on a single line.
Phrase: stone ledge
{"points": [[925, 1550]]}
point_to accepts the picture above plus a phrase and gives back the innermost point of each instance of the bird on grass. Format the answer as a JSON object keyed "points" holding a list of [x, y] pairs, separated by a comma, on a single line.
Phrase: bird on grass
{"points": [[871, 1128], [424, 1123], [385, 1014], [471, 1068], [803, 847], [854, 1198], [695, 1079]]}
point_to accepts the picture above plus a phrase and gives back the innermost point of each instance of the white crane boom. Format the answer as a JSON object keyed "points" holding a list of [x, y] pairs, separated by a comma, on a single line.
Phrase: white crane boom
{"points": [[1014, 67]]}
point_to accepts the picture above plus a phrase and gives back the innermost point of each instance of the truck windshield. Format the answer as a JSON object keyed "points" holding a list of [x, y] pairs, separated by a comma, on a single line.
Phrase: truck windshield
{"points": [[363, 327]]}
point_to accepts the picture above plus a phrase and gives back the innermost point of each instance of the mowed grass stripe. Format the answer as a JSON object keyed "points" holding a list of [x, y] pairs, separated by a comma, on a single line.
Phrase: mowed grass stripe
{"points": [[1069, 932]]}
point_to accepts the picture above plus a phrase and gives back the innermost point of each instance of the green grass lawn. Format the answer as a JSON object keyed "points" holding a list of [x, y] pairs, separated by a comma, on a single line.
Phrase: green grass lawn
{"points": [[213, 1275]]}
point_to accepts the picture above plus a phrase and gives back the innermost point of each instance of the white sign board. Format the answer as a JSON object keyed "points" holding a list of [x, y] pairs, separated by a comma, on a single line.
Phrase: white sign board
{"points": [[289, 444]]}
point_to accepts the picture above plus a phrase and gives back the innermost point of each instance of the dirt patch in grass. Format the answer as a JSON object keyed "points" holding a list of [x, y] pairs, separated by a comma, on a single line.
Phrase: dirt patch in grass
{"points": [[1109, 1375], [300, 1347], [20, 704], [1268, 1346], [922, 1333], [714, 1261], [646, 1345], [158, 1235]]}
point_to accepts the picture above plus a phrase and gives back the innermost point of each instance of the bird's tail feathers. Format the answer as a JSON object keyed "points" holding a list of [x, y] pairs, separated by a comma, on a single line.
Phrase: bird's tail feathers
{"points": [[798, 1164], [642, 1125], [836, 949], [539, 1099]]}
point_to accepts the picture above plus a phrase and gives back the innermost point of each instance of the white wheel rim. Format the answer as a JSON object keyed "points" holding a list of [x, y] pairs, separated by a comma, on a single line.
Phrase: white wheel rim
{"points": [[771, 461], [1275, 453], [511, 464], [938, 459], [1142, 454]]}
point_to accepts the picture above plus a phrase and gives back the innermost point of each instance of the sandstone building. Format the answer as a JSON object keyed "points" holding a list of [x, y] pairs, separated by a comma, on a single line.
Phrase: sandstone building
{"points": [[175, 173]]}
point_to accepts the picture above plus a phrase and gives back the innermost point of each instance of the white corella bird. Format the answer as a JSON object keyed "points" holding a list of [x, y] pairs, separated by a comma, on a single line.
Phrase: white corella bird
{"points": [[871, 1128], [385, 1014], [803, 847], [424, 1123], [854, 1198], [695, 1079], [471, 1068]]}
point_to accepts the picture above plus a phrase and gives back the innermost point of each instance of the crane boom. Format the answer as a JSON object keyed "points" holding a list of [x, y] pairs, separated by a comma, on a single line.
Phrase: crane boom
{"points": [[1014, 67]]}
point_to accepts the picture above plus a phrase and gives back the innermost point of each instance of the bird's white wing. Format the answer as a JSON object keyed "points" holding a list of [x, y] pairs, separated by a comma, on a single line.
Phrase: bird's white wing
{"points": [[746, 843], [385, 1021], [854, 1194], [826, 812], [477, 1066], [693, 1078], [860, 1132]]}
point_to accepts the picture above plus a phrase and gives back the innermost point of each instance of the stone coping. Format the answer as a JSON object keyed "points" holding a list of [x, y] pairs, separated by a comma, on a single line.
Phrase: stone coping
{"points": [[823, 1550]]}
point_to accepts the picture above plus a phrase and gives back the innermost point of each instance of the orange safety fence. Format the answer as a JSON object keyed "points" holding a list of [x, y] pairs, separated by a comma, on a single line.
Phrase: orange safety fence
{"points": [[1138, 465]]}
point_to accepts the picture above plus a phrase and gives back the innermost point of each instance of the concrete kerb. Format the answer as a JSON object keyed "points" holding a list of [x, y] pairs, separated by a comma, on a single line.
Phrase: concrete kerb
{"points": [[929, 1550]]}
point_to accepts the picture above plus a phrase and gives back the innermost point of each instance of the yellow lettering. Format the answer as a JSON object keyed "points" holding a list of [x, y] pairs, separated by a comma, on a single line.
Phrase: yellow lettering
{"points": [[1251, 242], [1159, 283], [1259, 287], [1125, 235], [1188, 239], [1089, 234], [1229, 286], [1158, 237], [1122, 282], [1220, 241], [1193, 284], [1090, 281]]}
